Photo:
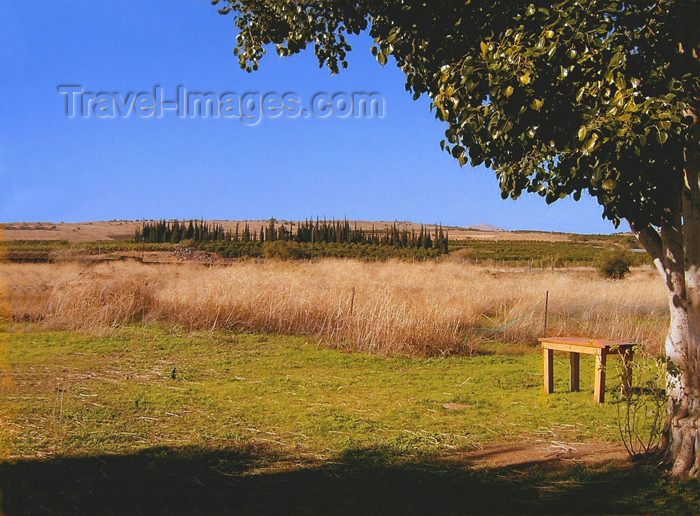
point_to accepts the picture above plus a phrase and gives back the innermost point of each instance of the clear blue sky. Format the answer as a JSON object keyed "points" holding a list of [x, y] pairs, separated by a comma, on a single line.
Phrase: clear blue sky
{"points": [[54, 168]]}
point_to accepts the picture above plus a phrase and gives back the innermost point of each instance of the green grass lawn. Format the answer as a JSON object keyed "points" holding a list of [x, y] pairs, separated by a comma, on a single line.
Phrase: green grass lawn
{"points": [[164, 421]]}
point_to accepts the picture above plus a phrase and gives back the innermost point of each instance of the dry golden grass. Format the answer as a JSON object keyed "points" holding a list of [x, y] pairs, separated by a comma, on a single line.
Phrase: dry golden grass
{"points": [[397, 308]]}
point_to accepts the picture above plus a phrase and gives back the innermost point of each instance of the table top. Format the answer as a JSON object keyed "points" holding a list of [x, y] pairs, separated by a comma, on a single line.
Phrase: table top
{"points": [[582, 341]]}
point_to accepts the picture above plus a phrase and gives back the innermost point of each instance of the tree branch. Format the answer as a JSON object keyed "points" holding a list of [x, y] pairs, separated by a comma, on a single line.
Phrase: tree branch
{"points": [[651, 240]]}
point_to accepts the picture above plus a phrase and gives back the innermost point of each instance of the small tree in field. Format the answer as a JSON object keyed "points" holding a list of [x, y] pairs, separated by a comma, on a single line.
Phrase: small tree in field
{"points": [[558, 98], [616, 265]]}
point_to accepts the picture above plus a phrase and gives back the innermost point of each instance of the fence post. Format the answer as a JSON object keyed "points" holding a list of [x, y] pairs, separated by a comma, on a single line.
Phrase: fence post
{"points": [[352, 300], [546, 311]]}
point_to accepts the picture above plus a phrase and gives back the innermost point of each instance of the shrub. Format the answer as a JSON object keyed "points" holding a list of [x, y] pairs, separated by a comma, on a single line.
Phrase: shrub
{"points": [[282, 250], [641, 409], [616, 265]]}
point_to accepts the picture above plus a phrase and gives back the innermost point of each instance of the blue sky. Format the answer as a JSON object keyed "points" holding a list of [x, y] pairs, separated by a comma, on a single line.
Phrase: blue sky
{"points": [[55, 168]]}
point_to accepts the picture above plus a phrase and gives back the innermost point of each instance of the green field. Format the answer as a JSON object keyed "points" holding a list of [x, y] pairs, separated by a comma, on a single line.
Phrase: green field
{"points": [[58, 250], [584, 250], [580, 251], [167, 421]]}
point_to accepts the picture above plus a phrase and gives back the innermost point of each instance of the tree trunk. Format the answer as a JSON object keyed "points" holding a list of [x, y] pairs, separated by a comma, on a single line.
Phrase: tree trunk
{"points": [[684, 428], [681, 379], [676, 254], [684, 397]]}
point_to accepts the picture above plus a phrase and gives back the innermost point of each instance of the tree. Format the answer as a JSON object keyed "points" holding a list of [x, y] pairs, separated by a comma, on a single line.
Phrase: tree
{"points": [[616, 265], [558, 98]]}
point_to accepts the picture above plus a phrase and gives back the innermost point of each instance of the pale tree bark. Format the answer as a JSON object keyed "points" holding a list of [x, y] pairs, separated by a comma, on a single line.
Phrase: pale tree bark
{"points": [[685, 422], [680, 384], [675, 250], [666, 249]]}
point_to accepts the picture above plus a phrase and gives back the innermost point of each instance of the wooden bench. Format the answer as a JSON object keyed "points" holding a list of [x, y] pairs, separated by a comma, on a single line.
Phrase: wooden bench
{"points": [[600, 348]]}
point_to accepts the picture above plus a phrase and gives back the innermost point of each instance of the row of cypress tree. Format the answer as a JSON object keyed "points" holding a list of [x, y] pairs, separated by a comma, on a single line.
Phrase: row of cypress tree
{"points": [[309, 231], [175, 231]]}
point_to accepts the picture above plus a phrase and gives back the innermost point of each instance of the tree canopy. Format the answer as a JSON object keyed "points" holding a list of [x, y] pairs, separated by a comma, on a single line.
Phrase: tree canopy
{"points": [[557, 98]]}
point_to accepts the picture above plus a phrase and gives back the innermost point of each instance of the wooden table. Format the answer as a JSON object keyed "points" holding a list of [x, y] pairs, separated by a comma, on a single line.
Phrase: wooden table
{"points": [[577, 345]]}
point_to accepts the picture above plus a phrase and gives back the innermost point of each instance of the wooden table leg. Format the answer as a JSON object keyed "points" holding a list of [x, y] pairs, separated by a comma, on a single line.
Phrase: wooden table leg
{"points": [[548, 355], [627, 357], [600, 362], [574, 371]]}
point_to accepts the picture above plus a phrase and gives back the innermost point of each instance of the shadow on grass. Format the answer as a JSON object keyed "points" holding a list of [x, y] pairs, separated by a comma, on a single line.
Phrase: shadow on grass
{"points": [[256, 481]]}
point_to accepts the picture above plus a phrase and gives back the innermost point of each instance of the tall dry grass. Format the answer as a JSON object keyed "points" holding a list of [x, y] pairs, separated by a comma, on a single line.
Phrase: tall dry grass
{"points": [[397, 308]]}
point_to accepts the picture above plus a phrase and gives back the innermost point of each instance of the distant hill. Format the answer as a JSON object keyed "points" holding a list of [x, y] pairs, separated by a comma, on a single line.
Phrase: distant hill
{"points": [[124, 230], [487, 227]]}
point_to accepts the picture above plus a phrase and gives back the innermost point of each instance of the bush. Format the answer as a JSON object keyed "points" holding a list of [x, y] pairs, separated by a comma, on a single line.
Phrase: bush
{"points": [[641, 409], [282, 250], [616, 265]]}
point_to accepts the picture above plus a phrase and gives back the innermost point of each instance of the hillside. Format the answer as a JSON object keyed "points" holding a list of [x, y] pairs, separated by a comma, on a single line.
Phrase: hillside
{"points": [[124, 230]]}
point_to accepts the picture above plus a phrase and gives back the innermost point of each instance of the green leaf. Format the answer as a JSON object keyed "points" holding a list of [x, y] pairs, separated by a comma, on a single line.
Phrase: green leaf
{"points": [[590, 144], [582, 133], [661, 137], [609, 184], [484, 48]]}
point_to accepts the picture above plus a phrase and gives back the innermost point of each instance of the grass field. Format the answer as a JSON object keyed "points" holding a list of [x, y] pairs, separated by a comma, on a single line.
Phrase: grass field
{"points": [[543, 253], [392, 308], [265, 388], [332, 387], [166, 421]]}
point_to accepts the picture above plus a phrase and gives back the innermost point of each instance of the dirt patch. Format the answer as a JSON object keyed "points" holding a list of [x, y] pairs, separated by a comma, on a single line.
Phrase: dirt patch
{"points": [[551, 455], [456, 406], [192, 254]]}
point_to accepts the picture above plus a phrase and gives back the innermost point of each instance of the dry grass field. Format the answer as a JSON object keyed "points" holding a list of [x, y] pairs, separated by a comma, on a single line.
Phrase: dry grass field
{"points": [[391, 308]]}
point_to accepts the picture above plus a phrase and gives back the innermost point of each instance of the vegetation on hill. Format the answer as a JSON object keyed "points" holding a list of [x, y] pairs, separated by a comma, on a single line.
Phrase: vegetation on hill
{"points": [[307, 232], [335, 239], [540, 253]]}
